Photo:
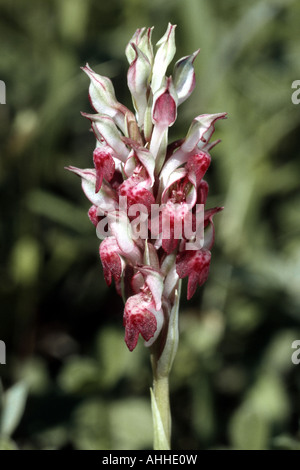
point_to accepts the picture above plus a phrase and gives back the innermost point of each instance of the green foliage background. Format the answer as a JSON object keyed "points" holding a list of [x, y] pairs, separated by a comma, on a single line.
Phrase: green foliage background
{"points": [[233, 384]]}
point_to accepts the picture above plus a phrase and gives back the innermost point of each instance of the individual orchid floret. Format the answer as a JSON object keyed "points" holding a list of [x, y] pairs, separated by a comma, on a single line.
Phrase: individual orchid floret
{"points": [[136, 188], [102, 96], [164, 113], [105, 129], [105, 199], [111, 258], [103, 99], [140, 156], [141, 317], [197, 138], [195, 265]]}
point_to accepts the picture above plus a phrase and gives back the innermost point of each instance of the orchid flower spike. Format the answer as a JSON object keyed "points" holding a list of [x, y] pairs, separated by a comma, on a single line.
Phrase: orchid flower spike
{"points": [[147, 195]]}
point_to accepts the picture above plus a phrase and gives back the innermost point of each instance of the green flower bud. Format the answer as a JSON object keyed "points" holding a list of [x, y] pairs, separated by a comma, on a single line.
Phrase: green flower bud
{"points": [[163, 57]]}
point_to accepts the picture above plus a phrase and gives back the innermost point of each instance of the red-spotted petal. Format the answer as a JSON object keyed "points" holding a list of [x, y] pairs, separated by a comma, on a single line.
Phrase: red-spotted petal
{"points": [[202, 192], [111, 260], [138, 319], [197, 166], [104, 165], [175, 219], [136, 194], [195, 265], [93, 215]]}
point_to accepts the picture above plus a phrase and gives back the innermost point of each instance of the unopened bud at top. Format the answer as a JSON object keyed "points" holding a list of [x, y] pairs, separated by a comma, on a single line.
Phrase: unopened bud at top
{"points": [[184, 77], [143, 41], [138, 78], [102, 93], [163, 57]]}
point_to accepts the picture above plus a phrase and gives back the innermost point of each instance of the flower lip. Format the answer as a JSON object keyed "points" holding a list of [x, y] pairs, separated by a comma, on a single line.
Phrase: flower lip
{"points": [[110, 255], [104, 165], [140, 318], [195, 265]]}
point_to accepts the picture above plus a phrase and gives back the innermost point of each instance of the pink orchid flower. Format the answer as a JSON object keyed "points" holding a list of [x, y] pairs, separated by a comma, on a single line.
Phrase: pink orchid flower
{"points": [[135, 170]]}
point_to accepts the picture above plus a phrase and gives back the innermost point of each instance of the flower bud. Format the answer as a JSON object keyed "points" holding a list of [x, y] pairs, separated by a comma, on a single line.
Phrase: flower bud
{"points": [[145, 45], [163, 57], [184, 77], [137, 79], [105, 128], [101, 92], [103, 99], [143, 41], [136, 38]]}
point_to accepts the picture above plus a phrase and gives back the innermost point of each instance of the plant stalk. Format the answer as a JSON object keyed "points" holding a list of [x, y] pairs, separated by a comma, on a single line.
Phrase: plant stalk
{"points": [[161, 366], [161, 412]]}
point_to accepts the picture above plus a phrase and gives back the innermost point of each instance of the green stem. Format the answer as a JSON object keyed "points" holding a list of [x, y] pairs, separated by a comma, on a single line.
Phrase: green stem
{"points": [[161, 412], [161, 366]]}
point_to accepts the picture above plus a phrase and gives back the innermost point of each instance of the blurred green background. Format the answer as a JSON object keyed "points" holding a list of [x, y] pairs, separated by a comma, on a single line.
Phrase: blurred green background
{"points": [[69, 381]]}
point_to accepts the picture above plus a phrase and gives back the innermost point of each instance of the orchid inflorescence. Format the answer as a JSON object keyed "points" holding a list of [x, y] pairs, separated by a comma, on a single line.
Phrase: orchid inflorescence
{"points": [[133, 160]]}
